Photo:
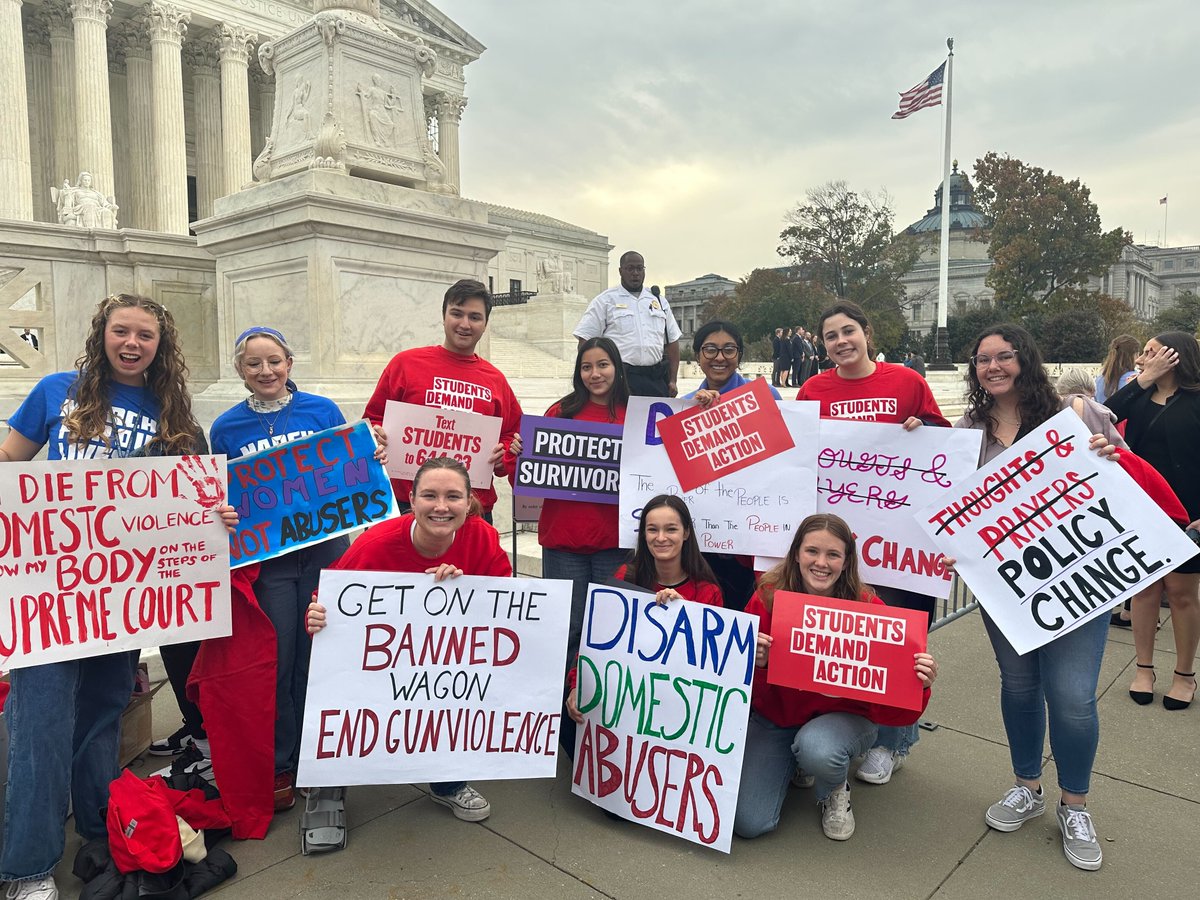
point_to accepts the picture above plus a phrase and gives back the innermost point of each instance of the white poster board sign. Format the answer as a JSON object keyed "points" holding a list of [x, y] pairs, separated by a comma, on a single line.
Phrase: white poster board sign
{"points": [[875, 476], [417, 433], [416, 680], [752, 511], [104, 555], [665, 694], [1049, 536]]}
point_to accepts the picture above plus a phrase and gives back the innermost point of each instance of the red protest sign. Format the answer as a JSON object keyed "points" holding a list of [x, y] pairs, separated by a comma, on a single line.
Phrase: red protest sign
{"points": [[744, 427], [860, 651]]}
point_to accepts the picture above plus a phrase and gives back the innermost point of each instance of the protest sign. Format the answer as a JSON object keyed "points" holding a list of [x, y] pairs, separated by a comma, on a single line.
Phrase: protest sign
{"points": [[569, 460], [844, 648], [307, 491], [107, 555], [874, 476], [527, 509], [417, 433], [417, 680], [744, 428], [1049, 535], [665, 694], [749, 512]]}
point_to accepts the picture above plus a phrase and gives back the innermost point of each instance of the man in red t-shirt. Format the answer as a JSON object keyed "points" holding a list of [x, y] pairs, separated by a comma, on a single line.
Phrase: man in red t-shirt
{"points": [[452, 376]]}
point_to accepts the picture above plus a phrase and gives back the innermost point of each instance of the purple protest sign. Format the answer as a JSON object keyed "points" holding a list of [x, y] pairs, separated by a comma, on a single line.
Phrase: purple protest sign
{"points": [[569, 460]]}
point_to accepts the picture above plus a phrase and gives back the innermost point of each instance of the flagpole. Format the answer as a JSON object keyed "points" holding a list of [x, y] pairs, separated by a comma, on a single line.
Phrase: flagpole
{"points": [[941, 354], [1166, 209]]}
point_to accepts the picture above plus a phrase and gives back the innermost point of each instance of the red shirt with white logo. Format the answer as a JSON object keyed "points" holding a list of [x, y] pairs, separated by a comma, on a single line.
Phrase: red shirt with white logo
{"points": [[890, 394]]}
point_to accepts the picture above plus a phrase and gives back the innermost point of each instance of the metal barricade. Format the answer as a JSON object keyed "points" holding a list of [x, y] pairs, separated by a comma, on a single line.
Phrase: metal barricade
{"points": [[960, 602]]}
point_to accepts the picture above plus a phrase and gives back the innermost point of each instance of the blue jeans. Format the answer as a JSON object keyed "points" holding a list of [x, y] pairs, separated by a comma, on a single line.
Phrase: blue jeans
{"points": [[445, 788], [580, 569], [823, 747], [284, 588], [901, 738], [898, 738], [64, 724], [1060, 677]]}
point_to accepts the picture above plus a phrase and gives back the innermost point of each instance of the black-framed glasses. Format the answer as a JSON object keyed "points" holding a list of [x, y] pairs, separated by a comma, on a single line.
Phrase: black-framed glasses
{"points": [[710, 351], [983, 360]]}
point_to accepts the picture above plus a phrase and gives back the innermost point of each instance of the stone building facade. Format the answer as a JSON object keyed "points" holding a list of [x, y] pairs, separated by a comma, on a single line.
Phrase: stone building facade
{"points": [[687, 300]]}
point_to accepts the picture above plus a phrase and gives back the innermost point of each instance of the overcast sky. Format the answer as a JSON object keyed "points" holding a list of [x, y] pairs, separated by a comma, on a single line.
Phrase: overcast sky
{"points": [[687, 129]]}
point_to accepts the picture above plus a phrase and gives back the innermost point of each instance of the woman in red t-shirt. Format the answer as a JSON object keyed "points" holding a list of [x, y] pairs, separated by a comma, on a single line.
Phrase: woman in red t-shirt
{"points": [[444, 536], [790, 729], [579, 538]]}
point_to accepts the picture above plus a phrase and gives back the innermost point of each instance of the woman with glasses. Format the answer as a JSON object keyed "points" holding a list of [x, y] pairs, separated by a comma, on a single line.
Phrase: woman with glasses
{"points": [[718, 346], [859, 387], [277, 413]]}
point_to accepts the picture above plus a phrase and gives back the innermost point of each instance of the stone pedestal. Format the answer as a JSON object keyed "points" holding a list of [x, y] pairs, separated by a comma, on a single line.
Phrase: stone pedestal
{"points": [[550, 321], [352, 271]]}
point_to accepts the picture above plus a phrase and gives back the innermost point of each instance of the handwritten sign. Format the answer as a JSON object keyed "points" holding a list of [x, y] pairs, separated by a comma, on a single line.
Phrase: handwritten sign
{"points": [[305, 492], [417, 680], [874, 476], [1049, 536], [569, 460], [665, 692], [417, 433], [749, 512], [105, 555], [860, 651], [744, 428]]}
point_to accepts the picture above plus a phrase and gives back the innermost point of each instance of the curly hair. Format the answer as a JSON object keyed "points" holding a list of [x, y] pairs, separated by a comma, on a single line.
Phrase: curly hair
{"points": [[786, 576], [1037, 400], [618, 398], [166, 378], [642, 569]]}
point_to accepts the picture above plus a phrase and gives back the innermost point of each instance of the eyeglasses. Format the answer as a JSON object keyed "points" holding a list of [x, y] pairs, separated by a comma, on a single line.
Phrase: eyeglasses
{"points": [[710, 351], [982, 360], [260, 365]]}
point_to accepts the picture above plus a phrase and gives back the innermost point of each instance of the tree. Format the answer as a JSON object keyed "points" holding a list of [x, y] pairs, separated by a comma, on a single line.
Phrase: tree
{"points": [[1072, 336], [1183, 315], [1045, 236], [844, 242], [767, 299], [961, 331]]}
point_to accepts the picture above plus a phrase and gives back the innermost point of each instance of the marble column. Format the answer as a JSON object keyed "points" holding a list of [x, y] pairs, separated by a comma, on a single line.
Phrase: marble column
{"points": [[264, 86], [93, 112], [204, 60], [123, 178], [449, 108], [138, 209], [235, 43], [16, 181], [41, 116], [62, 89], [168, 24]]}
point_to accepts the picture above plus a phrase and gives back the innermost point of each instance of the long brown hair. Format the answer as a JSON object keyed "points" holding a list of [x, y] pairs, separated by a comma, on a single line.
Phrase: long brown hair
{"points": [[1187, 372], [166, 378], [787, 575], [1121, 351], [618, 398], [641, 569], [1037, 400], [474, 507]]}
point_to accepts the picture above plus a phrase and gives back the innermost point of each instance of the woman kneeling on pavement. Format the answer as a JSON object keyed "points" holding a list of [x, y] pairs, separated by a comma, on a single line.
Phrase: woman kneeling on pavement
{"points": [[815, 733], [444, 536]]}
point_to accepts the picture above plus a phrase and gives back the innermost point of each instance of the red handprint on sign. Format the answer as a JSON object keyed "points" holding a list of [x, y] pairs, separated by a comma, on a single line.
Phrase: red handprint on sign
{"points": [[210, 490]]}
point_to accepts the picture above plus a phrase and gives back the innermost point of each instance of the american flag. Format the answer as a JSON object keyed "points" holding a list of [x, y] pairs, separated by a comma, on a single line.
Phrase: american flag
{"points": [[1162, 202], [927, 93]]}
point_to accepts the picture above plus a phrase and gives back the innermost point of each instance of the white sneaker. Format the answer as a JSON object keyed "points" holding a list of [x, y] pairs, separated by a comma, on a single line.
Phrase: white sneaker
{"points": [[879, 766], [466, 803], [37, 889], [837, 818]]}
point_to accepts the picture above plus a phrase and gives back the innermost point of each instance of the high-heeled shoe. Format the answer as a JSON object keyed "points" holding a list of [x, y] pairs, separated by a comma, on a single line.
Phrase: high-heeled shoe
{"points": [[1145, 698], [1174, 703]]}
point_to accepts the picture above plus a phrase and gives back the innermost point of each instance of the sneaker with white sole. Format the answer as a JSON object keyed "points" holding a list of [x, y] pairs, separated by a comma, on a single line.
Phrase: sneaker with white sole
{"points": [[466, 803], [1080, 843], [1015, 808], [34, 889], [193, 759], [837, 818], [879, 766], [176, 743]]}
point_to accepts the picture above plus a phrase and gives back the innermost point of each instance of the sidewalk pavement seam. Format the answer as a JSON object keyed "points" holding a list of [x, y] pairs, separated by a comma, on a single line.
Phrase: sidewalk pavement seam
{"points": [[962, 859], [549, 862]]}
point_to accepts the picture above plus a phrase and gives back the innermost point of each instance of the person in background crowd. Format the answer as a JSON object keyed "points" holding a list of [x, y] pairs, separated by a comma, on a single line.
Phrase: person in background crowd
{"points": [[579, 539], [443, 536], [776, 357], [453, 376], [30, 338], [1117, 370], [641, 325], [798, 356], [1009, 396], [127, 396], [907, 400], [1161, 409], [719, 347], [276, 413], [791, 729]]}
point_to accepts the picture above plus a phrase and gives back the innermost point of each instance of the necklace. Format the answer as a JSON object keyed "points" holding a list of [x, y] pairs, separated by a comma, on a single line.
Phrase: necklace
{"points": [[279, 407]]}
